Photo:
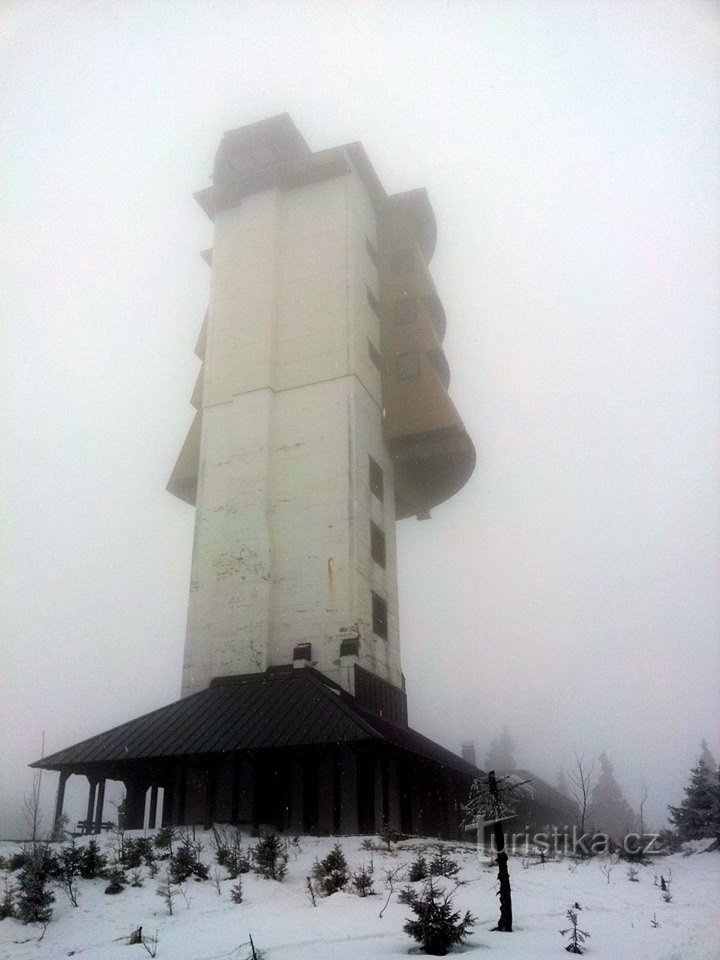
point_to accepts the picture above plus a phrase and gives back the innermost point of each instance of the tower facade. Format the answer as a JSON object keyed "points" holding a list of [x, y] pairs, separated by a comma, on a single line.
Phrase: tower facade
{"points": [[322, 413]]}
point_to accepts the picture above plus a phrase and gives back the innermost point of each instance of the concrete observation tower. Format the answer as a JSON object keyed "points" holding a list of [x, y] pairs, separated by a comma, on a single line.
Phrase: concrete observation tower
{"points": [[322, 418], [322, 411]]}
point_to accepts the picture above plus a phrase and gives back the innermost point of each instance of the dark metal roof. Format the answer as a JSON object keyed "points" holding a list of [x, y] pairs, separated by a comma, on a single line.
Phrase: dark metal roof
{"points": [[542, 796], [254, 712], [407, 739]]}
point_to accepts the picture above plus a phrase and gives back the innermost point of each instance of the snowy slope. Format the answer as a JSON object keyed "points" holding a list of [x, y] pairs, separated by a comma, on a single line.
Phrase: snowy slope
{"points": [[285, 925]]}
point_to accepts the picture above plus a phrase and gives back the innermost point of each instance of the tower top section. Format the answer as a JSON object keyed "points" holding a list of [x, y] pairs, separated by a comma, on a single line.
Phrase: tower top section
{"points": [[267, 143], [431, 450], [273, 153]]}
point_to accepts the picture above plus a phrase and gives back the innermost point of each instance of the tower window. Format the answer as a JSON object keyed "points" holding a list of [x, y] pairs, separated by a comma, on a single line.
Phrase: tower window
{"points": [[375, 355], [406, 310], [379, 616], [350, 647], [377, 545], [371, 251], [376, 480], [373, 301], [408, 365], [404, 261]]}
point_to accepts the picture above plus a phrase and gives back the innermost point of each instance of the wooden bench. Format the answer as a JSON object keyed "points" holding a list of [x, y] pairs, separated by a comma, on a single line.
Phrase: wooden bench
{"points": [[88, 826]]}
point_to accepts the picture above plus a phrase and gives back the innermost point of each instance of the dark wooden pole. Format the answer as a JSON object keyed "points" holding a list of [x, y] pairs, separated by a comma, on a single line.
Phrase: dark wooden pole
{"points": [[336, 788], [152, 816], [210, 794], [59, 803], [97, 826], [505, 893], [90, 807], [135, 791]]}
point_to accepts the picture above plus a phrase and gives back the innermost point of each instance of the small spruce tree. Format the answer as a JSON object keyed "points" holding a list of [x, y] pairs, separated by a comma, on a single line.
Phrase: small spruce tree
{"points": [[331, 873], [168, 891], [229, 853], [18, 859], [437, 926], [418, 870], [576, 936], [362, 881], [92, 862], [34, 900], [138, 851], [69, 868], [443, 866], [186, 862], [164, 839], [407, 894], [270, 858]]}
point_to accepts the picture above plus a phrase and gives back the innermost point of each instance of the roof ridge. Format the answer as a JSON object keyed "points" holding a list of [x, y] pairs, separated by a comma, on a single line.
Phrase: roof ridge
{"points": [[346, 708]]}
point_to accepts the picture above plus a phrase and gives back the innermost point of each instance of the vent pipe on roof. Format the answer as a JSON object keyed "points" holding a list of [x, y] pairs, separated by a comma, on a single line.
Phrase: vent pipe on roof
{"points": [[349, 659], [302, 655]]}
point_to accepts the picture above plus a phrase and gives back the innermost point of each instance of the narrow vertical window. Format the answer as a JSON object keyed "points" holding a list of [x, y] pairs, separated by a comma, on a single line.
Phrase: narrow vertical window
{"points": [[376, 480], [379, 616], [377, 545], [375, 355], [371, 251], [373, 301]]}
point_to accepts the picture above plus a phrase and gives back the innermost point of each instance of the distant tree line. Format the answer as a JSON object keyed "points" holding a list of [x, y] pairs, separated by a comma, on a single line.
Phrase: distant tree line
{"points": [[601, 805]]}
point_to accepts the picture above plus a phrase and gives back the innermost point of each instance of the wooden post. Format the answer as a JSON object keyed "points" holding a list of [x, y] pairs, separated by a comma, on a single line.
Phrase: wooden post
{"points": [[90, 807], [235, 796], [135, 803], [336, 789], [59, 803], [348, 790], [152, 815], [210, 794], [97, 826], [385, 785], [169, 811]]}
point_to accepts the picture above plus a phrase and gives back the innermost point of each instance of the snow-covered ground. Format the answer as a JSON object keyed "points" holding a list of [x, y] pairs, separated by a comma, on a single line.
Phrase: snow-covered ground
{"points": [[284, 924]]}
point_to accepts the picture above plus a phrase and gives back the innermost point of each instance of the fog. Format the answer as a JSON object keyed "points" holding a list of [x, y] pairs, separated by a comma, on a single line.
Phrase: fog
{"points": [[570, 151]]}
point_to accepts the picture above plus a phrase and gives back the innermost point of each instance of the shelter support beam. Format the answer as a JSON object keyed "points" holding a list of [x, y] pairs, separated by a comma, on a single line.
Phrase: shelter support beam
{"points": [[135, 804], [169, 812], [327, 792], [348, 790], [59, 804], [100, 802], [152, 815], [89, 816]]}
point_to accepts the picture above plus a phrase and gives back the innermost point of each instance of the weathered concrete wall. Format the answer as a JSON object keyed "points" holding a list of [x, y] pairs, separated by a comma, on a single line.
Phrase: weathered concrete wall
{"points": [[291, 412]]}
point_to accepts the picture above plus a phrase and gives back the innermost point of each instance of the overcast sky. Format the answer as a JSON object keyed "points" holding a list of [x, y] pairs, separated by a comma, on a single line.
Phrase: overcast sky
{"points": [[570, 150]]}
